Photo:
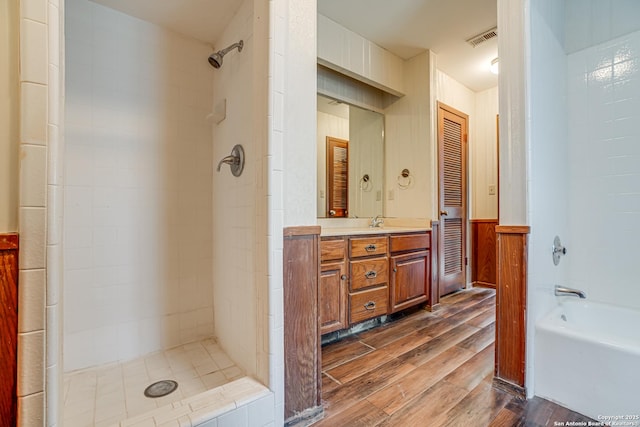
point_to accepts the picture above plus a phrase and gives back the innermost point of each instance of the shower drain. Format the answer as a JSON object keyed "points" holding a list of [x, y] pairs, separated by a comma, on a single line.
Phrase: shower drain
{"points": [[161, 388]]}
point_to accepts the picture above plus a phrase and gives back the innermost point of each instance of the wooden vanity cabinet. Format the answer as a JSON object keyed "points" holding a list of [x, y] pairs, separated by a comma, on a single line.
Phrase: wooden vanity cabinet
{"points": [[363, 277], [410, 270], [368, 277], [333, 285]]}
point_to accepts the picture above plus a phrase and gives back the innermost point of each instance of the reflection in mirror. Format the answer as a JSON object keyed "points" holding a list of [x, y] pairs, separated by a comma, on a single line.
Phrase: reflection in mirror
{"points": [[353, 188]]}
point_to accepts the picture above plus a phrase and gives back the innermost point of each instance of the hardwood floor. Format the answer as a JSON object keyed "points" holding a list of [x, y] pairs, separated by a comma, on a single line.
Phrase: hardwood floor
{"points": [[427, 369]]}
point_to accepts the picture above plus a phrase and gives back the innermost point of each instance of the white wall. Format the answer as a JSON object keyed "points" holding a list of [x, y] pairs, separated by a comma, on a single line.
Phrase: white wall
{"points": [[239, 208], [604, 173], [409, 144], [294, 109], [483, 156], [328, 125], [8, 117], [138, 196], [549, 158]]}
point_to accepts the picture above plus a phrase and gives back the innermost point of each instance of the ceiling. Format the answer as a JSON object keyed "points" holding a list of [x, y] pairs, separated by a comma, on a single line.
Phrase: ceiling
{"points": [[404, 27], [194, 18], [408, 27]]}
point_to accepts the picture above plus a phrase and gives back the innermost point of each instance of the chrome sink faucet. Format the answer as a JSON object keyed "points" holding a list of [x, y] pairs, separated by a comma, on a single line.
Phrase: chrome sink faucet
{"points": [[562, 291], [376, 221]]}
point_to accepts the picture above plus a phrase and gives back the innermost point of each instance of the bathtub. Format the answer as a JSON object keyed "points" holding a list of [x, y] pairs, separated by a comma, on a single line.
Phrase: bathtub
{"points": [[587, 358]]}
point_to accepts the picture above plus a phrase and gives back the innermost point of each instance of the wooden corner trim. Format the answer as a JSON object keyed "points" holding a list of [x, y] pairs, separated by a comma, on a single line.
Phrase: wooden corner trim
{"points": [[304, 230], [513, 229], [9, 241]]}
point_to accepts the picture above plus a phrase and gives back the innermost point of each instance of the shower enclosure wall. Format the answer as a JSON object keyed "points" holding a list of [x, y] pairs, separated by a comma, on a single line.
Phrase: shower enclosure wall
{"points": [[159, 249], [584, 106], [138, 188]]}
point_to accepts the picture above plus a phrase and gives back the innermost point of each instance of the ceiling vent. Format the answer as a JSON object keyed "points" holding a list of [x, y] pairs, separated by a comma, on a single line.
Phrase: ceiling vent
{"points": [[483, 37]]}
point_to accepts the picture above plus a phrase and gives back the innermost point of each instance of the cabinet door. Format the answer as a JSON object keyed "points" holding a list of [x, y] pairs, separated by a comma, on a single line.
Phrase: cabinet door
{"points": [[333, 297], [409, 279]]}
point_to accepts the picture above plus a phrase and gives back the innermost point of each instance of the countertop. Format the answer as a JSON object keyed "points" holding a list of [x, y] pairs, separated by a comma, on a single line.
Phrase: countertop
{"points": [[348, 231], [360, 226]]}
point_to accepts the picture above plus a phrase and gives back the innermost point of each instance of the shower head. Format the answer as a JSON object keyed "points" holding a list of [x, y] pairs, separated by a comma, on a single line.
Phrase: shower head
{"points": [[215, 59]]}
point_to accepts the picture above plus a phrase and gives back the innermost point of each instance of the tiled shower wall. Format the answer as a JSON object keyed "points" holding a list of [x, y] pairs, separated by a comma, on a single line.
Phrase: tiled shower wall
{"points": [[138, 188], [604, 171], [40, 193], [239, 211]]}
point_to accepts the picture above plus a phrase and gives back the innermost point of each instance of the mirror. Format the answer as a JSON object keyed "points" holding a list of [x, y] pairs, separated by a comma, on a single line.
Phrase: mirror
{"points": [[350, 160]]}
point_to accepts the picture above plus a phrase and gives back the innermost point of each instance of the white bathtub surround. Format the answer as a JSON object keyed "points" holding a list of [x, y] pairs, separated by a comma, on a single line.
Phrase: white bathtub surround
{"points": [[587, 356], [109, 394], [604, 110]]}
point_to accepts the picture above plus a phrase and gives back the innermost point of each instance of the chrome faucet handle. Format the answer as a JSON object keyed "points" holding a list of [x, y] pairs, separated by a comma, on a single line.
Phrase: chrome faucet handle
{"points": [[229, 160], [235, 160]]}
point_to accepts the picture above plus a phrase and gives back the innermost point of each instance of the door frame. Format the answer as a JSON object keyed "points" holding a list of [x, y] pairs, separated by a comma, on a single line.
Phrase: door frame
{"points": [[465, 198]]}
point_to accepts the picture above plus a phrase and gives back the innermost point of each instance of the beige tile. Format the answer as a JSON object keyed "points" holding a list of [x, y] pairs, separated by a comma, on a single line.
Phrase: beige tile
{"points": [[35, 10], [54, 274], [31, 300], [53, 106], [214, 379], [109, 422], [55, 169], [33, 114], [186, 375], [55, 35], [33, 175], [192, 387], [31, 410], [207, 368], [233, 373], [32, 238], [33, 50], [30, 363], [222, 360]]}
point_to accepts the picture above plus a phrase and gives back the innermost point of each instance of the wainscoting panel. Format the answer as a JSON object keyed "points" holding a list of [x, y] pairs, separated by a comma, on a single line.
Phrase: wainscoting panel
{"points": [[511, 300], [8, 326], [483, 252], [302, 400]]}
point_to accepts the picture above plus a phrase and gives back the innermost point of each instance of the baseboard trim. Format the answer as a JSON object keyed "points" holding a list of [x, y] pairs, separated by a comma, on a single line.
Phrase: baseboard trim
{"points": [[512, 389], [479, 284]]}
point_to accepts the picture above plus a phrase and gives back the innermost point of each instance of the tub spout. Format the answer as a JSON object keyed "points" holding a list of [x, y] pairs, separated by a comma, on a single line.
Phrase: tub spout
{"points": [[562, 291]]}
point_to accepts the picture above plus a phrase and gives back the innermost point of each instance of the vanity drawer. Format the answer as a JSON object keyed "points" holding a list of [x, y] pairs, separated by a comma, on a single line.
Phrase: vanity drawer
{"points": [[369, 272], [367, 246], [332, 250], [368, 304], [410, 242]]}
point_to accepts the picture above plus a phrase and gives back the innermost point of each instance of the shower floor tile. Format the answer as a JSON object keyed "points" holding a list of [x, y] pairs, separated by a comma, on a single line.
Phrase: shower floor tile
{"points": [[105, 395]]}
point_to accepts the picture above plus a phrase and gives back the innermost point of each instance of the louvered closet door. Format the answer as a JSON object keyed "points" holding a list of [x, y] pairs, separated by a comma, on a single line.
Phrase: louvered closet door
{"points": [[337, 177], [452, 138]]}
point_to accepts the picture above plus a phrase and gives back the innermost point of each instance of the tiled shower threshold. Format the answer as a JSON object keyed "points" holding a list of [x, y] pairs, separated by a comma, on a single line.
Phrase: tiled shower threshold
{"points": [[209, 384]]}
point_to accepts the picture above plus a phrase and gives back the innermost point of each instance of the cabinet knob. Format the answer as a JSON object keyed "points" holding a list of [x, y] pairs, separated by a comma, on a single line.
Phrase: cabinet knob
{"points": [[444, 213], [395, 269], [343, 277], [370, 248], [370, 306]]}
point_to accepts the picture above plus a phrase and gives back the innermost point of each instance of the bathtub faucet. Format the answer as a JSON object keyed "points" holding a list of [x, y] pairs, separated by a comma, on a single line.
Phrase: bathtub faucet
{"points": [[562, 291]]}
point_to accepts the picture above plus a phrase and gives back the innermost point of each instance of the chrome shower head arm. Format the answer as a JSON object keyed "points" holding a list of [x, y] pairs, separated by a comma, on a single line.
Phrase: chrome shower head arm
{"points": [[226, 50]]}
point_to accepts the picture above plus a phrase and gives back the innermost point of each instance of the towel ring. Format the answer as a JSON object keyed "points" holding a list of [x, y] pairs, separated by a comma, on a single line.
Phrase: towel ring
{"points": [[405, 179], [365, 183]]}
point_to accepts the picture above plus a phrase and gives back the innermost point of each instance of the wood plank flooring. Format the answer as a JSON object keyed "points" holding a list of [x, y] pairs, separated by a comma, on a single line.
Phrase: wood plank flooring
{"points": [[427, 369]]}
